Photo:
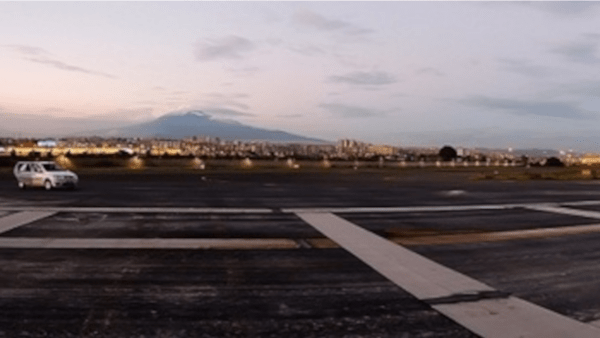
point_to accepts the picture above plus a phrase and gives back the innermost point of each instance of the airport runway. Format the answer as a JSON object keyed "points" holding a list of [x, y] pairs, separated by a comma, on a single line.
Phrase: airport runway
{"points": [[260, 255]]}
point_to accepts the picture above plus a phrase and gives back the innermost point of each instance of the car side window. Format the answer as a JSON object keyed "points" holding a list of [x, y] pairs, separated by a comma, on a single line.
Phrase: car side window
{"points": [[24, 167], [37, 168]]}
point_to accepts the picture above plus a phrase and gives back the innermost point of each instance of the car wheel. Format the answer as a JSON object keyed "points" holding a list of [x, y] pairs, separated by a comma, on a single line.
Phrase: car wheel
{"points": [[21, 185], [48, 185]]}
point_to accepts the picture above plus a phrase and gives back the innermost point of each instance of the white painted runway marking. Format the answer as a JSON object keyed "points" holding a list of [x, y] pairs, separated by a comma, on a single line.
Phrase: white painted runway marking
{"points": [[416, 274], [513, 317], [437, 285], [147, 243], [404, 209], [192, 210], [582, 203], [565, 211], [10, 222], [142, 210]]}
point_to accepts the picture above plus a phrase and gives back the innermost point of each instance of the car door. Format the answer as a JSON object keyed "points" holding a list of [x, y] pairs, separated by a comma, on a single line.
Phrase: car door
{"points": [[37, 175], [24, 174]]}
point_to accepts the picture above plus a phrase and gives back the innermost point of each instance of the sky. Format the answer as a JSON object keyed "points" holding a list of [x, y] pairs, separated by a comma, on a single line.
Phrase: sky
{"points": [[490, 74]]}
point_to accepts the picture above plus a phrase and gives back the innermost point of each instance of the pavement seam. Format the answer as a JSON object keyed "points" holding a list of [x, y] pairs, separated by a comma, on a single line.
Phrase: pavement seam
{"points": [[467, 297]]}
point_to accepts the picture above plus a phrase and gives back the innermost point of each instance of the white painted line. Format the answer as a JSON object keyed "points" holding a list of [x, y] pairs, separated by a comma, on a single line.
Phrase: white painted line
{"points": [[141, 210], [147, 243], [10, 222], [582, 203], [438, 285], [403, 209], [565, 211], [414, 273], [513, 317], [294, 210]]}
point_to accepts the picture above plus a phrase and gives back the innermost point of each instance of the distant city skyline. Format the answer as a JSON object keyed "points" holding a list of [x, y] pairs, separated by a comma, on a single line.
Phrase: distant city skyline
{"points": [[472, 74]]}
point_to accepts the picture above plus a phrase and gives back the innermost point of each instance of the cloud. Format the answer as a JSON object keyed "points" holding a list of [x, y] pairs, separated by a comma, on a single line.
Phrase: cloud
{"points": [[226, 100], [52, 110], [225, 112], [229, 47], [365, 78], [398, 94], [311, 19], [566, 110], [307, 50], [233, 103], [229, 96], [41, 56], [587, 88], [523, 67], [244, 71], [350, 111], [125, 115], [582, 88], [581, 51], [290, 116], [593, 36], [430, 70], [27, 50], [562, 8]]}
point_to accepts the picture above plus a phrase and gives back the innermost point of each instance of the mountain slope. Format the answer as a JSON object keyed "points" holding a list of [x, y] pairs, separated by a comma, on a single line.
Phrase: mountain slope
{"points": [[197, 123]]}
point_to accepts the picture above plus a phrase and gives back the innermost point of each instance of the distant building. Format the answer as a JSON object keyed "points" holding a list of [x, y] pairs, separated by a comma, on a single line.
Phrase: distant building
{"points": [[590, 159], [382, 150], [46, 143]]}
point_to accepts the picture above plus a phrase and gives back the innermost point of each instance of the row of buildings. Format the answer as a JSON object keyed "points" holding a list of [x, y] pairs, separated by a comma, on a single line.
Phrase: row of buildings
{"points": [[204, 147]]}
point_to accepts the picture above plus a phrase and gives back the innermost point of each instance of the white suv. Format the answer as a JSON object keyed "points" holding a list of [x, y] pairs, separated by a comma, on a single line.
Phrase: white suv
{"points": [[44, 174]]}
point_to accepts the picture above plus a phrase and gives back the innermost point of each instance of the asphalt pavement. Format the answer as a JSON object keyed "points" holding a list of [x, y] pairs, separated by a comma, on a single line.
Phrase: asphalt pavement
{"points": [[302, 290]]}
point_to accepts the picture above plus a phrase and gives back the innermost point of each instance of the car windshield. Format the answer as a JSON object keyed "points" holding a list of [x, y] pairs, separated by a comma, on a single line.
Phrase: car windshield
{"points": [[52, 167]]}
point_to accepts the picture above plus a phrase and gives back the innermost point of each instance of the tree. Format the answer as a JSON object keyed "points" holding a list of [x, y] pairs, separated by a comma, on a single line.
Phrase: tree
{"points": [[447, 153], [554, 162]]}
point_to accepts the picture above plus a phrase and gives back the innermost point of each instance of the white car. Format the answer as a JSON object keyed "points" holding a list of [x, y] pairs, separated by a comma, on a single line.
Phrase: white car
{"points": [[45, 174]]}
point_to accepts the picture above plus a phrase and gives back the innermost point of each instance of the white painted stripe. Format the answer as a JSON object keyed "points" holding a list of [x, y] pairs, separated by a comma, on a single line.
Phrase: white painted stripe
{"points": [[404, 209], [141, 210], [296, 210], [414, 273], [425, 279], [565, 211], [10, 222], [582, 203], [513, 317], [146, 243]]}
